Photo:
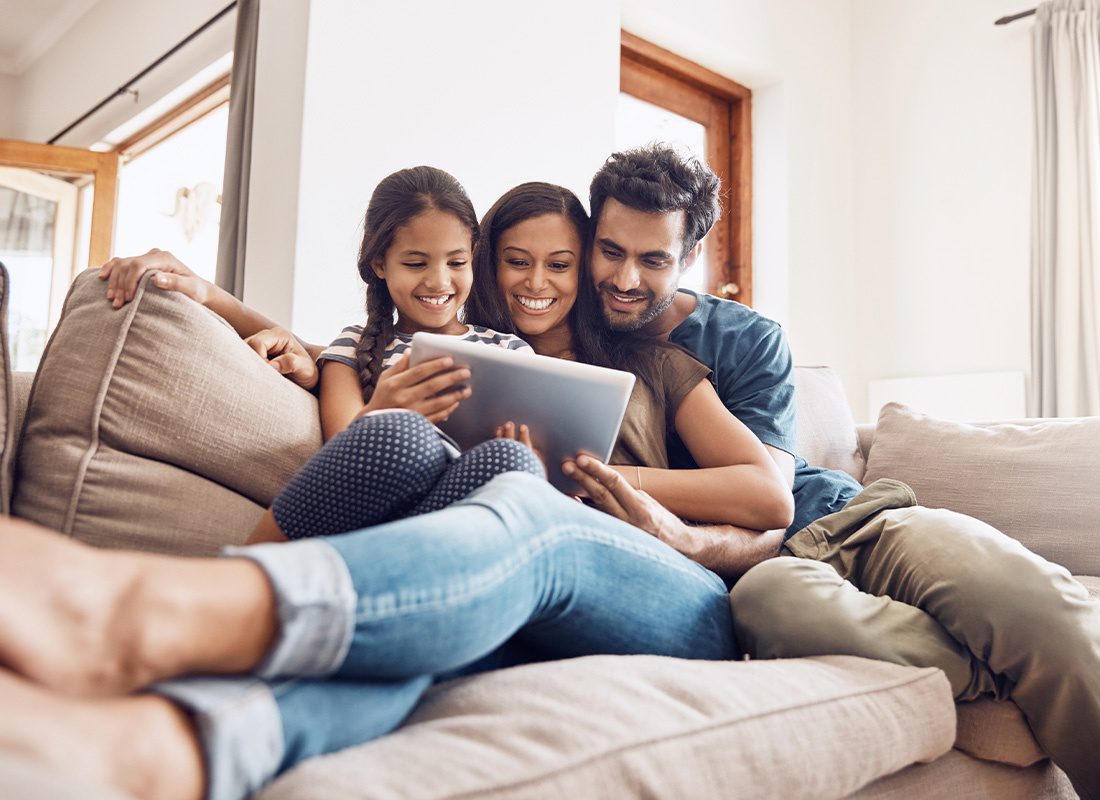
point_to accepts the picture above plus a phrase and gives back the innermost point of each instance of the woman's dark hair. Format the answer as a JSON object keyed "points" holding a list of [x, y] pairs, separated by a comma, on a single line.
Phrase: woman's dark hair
{"points": [[593, 340], [398, 199], [659, 178]]}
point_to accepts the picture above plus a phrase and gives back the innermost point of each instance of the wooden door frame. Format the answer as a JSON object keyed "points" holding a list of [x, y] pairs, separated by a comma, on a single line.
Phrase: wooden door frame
{"points": [[101, 167], [663, 78]]}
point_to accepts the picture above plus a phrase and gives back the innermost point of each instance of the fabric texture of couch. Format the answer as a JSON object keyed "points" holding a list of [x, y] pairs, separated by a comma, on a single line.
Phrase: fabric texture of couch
{"points": [[155, 427]]}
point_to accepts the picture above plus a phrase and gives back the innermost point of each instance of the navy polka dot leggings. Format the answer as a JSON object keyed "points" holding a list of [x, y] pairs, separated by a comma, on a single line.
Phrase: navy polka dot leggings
{"points": [[384, 467]]}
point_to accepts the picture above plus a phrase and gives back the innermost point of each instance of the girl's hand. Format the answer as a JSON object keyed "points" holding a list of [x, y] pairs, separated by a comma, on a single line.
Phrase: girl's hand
{"points": [[522, 434], [431, 388], [284, 353], [610, 492], [122, 276]]}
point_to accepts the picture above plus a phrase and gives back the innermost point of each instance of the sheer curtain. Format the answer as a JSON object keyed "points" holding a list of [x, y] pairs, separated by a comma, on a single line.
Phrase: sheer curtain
{"points": [[238, 150], [1065, 249]]}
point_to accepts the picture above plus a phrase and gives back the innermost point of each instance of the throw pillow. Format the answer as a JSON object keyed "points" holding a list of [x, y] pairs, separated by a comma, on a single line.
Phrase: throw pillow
{"points": [[1035, 480]]}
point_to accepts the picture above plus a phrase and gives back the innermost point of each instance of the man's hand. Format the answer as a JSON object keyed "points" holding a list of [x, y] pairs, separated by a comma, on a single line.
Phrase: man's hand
{"points": [[610, 493], [432, 388], [122, 276], [279, 348]]}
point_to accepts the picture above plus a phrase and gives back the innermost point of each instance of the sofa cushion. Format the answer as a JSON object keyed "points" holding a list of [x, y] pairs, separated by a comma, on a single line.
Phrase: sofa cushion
{"points": [[996, 731], [962, 777], [155, 427], [826, 429], [1034, 480], [648, 726]]}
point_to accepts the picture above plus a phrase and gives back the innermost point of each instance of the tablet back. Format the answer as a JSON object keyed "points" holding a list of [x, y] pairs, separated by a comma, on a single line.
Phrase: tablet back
{"points": [[569, 407]]}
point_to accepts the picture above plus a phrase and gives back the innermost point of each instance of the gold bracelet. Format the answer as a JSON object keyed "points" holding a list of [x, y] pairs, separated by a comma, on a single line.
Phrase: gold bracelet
{"points": [[638, 474]]}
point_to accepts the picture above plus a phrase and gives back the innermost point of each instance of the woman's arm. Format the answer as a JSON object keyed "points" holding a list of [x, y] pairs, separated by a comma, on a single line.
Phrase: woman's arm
{"points": [[122, 276], [737, 483]]}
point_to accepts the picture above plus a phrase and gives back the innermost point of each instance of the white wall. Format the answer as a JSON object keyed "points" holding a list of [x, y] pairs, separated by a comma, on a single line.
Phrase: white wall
{"points": [[942, 189], [796, 57], [529, 97], [107, 46], [9, 107]]}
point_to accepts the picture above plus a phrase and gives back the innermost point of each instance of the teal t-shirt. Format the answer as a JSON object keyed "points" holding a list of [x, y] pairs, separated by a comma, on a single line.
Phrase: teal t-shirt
{"points": [[751, 368]]}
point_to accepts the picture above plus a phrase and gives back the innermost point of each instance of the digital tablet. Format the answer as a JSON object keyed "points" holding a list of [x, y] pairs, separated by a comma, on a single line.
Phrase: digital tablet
{"points": [[569, 407]]}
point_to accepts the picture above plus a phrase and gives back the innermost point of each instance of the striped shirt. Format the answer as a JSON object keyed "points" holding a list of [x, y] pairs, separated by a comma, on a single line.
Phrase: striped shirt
{"points": [[342, 350]]}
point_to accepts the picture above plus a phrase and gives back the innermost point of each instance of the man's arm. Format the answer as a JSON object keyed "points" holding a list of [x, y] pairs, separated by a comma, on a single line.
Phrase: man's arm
{"points": [[726, 550]]}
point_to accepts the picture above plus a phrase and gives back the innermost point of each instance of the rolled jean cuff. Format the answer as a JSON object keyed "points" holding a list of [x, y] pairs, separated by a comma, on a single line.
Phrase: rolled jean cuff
{"points": [[240, 730], [316, 603]]}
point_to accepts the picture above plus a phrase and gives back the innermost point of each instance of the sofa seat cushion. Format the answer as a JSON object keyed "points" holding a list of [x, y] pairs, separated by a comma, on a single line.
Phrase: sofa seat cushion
{"points": [[993, 730], [155, 426], [1034, 480], [648, 726]]}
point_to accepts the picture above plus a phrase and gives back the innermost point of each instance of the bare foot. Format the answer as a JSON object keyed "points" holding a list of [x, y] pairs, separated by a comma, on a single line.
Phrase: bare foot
{"points": [[88, 621], [143, 745]]}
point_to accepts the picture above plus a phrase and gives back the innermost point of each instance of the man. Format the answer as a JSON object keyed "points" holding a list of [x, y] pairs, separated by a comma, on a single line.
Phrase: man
{"points": [[651, 208], [862, 573]]}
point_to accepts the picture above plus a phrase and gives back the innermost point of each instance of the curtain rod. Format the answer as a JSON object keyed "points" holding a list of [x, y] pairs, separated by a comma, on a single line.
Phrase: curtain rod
{"points": [[125, 88], [1014, 17]]}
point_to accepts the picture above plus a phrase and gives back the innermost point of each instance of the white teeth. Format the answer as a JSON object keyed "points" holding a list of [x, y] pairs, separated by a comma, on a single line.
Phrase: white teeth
{"points": [[435, 301], [626, 299], [534, 303]]}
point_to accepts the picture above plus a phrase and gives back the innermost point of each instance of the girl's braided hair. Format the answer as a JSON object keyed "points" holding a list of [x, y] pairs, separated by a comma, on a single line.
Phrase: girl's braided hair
{"points": [[397, 200]]}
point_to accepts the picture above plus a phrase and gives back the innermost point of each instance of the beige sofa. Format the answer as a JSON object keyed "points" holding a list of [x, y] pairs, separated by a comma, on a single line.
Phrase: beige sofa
{"points": [[155, 427]]}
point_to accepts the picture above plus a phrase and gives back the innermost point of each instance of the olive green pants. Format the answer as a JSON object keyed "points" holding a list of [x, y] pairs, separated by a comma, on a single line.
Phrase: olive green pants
{"points": [[884, 578]]}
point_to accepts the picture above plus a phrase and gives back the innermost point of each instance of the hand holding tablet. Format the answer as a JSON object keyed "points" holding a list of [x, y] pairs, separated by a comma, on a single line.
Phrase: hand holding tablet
{"points": [[569, 408]]}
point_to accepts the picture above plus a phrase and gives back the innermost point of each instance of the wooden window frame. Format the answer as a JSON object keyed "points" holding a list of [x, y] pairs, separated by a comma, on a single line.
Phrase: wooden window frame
{"points": [[100, 167], [724, 108], [205, 101]]}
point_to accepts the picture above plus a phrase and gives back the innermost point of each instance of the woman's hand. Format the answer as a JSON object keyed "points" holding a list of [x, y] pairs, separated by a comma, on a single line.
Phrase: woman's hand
{"points": [[522, 434], [284, 353], [432, 388], [122, 276], [609, 492]]}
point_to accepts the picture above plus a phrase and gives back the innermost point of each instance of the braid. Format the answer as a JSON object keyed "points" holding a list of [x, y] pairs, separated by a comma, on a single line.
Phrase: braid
{"points": [[377, 335], [399, 198]]}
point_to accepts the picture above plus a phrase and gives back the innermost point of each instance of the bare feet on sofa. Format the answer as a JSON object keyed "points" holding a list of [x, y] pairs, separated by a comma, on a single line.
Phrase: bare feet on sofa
{"points": [[88, 621], [142, 745]]}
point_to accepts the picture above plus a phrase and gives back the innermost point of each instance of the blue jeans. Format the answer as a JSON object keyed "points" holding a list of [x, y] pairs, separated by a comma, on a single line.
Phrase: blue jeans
{"points": [[369, 619]]}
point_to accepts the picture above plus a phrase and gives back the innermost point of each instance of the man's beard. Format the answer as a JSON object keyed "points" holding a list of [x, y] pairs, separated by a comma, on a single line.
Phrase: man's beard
{"points": [[650, 309]]}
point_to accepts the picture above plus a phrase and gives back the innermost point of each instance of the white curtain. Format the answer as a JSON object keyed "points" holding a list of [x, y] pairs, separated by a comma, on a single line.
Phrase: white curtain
{"points": [[1065, 247]]}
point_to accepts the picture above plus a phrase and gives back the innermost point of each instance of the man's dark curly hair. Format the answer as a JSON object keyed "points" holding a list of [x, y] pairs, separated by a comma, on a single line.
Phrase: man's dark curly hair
{"points": [[658, 178]]}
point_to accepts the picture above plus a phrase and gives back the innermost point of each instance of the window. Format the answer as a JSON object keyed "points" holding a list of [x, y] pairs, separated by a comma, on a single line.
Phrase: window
{"points": [[171, 178], [49, 230], [668, 98]]}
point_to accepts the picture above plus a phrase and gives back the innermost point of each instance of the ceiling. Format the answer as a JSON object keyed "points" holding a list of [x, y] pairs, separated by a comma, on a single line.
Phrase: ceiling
{"points": [[31, 27]]}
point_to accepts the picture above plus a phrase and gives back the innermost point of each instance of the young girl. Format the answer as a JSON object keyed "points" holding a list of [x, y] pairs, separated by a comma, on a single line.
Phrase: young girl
{"points": [[381, 462]]}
